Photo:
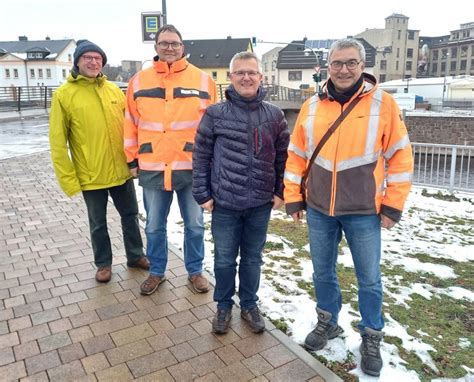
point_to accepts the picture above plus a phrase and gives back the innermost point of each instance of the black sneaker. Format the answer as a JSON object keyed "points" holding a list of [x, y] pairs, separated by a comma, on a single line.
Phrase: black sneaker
{"points": [[371, 363], [221, 321], [324, 331], [254, 319]]}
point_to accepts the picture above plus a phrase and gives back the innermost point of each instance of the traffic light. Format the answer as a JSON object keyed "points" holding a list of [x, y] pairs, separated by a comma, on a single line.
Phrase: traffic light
{"points": [[254, 41]]}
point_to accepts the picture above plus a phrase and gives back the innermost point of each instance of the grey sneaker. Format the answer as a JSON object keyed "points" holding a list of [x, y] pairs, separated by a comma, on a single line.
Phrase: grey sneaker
{"points": [[221, 321], [371, 363], [254, 319], [324, 331]]}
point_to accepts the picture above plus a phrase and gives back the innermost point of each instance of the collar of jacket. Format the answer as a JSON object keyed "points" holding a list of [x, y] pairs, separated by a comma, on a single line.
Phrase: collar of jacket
{"points": [[163, 67], [75, 77], [368, 86], [246, 103]]}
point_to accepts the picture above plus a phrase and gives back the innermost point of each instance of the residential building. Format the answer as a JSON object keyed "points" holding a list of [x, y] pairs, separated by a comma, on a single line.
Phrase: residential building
{"points": [[35, 63], [450, 55], [299, 61], [396, 48], [269, 65], [213, 56]]}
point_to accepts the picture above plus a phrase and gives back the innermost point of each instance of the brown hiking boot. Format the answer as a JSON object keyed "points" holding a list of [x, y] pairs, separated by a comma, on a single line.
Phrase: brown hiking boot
{"points": [[142, 263], [200, 283], [151, 284], [103, 274]]}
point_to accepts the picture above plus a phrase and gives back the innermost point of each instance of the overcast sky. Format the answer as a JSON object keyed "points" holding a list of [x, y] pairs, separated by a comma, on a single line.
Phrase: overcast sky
{"points": [[115, 25]]}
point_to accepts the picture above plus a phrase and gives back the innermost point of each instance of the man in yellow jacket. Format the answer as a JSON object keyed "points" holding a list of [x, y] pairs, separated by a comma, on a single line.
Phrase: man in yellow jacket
{"points": [[164, 106], [86, 121], [357, 184]]}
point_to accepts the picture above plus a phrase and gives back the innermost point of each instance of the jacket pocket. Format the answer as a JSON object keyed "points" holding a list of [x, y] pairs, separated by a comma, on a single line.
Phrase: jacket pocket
{"points": [[188, 147], [145, 148]]}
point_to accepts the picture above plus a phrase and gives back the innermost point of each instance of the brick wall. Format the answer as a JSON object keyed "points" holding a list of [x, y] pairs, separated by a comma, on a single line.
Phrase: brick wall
{"points": [[453, 130]]}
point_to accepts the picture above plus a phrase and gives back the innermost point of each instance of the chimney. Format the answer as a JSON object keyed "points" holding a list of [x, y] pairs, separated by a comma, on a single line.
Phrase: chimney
{"points": [[47, 38], [22, 38], [229, 37]]}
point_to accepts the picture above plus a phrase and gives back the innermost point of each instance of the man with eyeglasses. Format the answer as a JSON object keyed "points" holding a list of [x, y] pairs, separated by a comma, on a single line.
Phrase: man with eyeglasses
{"points": [[239, 160], [357, 184], [164, 106], [86, 139]]}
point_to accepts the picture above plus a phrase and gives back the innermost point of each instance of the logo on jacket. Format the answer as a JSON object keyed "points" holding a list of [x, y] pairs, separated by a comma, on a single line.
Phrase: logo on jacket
{"points": [[188, 92]]}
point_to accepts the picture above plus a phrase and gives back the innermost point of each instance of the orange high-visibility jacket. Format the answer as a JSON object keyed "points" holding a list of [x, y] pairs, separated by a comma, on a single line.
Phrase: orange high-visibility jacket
{"points": [[163, 110], [348, 176]]}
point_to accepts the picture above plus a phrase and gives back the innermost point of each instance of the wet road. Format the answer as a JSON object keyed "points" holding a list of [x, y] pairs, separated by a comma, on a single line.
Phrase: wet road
{"points": [[24, 136]]}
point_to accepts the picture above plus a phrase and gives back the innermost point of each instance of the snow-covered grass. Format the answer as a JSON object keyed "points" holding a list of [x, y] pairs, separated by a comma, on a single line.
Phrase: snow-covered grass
{"points": [[428, 276]]}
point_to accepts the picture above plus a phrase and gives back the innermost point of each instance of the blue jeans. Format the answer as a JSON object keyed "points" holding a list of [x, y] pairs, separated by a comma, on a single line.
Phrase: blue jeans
{"points": [[232, 231], [364, 239], [157, 207], [125, 201]]}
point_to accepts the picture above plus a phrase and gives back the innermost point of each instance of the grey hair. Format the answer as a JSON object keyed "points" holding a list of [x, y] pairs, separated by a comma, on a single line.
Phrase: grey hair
{"points": [[245, 56], [346, 43]]}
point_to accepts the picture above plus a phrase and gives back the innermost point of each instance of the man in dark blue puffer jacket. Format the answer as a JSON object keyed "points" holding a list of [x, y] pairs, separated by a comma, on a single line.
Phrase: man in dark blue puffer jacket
{"points": [[238, 165]]}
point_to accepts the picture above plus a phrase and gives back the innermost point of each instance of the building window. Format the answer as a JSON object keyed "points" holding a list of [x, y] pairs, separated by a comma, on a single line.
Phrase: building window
{"points": [[443, 67], [463, 65], [228, 76], [274, 64], [383, 64], [48, 73], [40, 73], [399, 34], [69, 57], [273, 78], [295, 75], [7, 73], [396, 65], [435, 55], [411, 35], [32, 73], [214, 76], [454, 52], [410, 53], [382, 78], [398, 52], [266, 66], [444, 54], [408, 65], [452, 66], [434, 68], [324, 75], [15, 73], [64, 73]]}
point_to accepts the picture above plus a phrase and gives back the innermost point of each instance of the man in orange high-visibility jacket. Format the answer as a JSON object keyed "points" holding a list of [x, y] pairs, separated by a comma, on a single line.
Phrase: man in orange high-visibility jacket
{"points": [[357, 184], [164, 106]]}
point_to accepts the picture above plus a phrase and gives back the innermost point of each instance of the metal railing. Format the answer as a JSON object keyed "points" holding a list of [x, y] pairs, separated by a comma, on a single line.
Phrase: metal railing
{"points": [[17, 98], [444, 166]]}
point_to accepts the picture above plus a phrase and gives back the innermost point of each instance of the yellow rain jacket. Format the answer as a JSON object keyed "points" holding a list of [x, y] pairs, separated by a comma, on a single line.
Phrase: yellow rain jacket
{"points": [[86, 135]]}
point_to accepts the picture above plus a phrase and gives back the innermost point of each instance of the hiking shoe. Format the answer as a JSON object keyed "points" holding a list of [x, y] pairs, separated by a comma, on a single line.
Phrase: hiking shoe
{"points": [[200, 283], [371, 363], [221, 321], [103, 274], [151, 284], [254, 319], [142, 263], [324, 331]]}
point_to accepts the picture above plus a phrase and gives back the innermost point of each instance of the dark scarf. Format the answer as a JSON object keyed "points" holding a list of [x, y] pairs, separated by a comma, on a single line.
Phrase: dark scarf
{"points": [[342, 98]]}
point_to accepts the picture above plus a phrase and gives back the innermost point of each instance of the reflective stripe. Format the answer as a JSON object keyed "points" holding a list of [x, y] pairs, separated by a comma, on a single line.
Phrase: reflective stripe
{"points": [[401, 144], [401, 177], [358, 161], [293, 177], [324, 163], [150, 93], [181, 165], [152, 166], [296, 150], [205, 88], [373, 126], [183, 125], [381, 187], [131, 118], [130, 142], [151, 126], [308, 128]]}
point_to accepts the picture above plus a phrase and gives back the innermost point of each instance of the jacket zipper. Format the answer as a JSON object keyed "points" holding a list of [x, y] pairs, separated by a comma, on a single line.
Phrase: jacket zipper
{"points": [[332, 205]]}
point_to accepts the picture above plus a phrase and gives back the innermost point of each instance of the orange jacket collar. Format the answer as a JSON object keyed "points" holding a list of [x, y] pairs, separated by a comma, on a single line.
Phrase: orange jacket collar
{"points": [[163, 67]]}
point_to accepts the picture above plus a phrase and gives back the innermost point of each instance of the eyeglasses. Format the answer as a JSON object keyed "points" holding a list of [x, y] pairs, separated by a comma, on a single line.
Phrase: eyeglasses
{"points": [[90, 58], [165, 45], [350, 65], [242, 73]]}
